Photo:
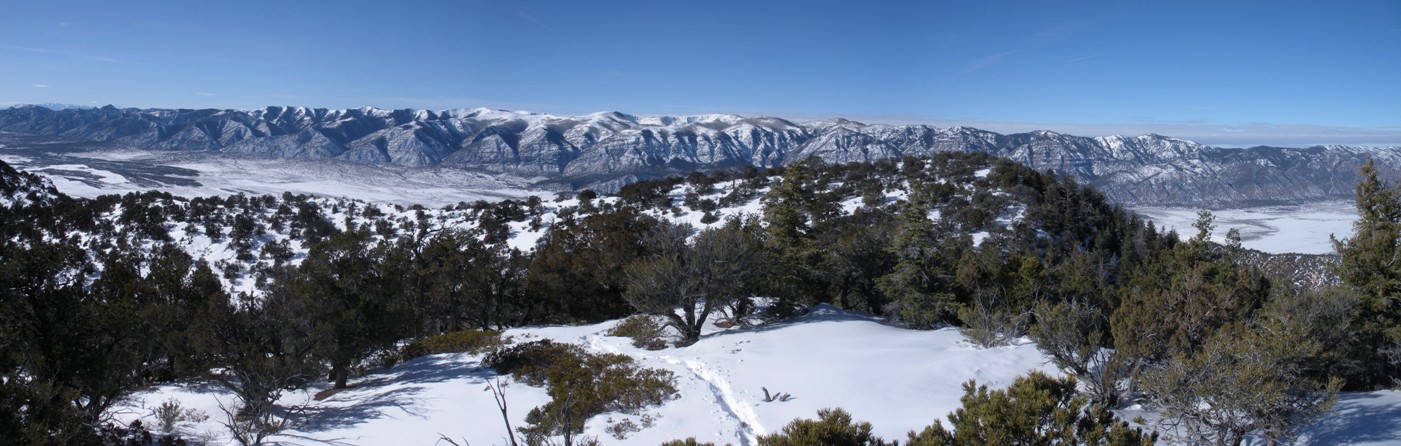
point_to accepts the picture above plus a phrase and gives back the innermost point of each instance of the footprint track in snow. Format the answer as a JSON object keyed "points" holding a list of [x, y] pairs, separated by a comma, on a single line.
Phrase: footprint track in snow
{"points": [[747, 426], [728, 405]]}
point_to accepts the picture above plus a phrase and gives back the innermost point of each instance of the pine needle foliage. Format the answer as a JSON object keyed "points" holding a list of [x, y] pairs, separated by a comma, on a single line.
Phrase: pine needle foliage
{"points": [[833, 427], [1035, 410]]}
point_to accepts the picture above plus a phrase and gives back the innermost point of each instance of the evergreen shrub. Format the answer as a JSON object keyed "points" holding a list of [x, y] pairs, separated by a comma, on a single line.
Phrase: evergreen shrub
{"points": [[644, 330], [465, 341], [580, 384]]}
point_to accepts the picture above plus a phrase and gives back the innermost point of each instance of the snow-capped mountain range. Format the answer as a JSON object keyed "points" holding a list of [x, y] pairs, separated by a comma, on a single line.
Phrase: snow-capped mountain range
{"points": [[605, 150]]}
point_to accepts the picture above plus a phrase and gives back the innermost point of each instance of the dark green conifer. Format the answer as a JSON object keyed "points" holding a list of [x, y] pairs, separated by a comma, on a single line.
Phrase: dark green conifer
{"points": [[1368, 263]]}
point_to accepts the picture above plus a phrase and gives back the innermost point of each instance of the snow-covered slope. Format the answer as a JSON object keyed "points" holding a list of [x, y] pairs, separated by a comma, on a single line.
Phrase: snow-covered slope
{"points": [[895, 378]]}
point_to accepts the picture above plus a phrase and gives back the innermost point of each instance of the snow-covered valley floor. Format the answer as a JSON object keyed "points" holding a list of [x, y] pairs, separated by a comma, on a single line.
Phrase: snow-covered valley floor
{"points": [[1299, 229], [90, 174], [897, 379]]}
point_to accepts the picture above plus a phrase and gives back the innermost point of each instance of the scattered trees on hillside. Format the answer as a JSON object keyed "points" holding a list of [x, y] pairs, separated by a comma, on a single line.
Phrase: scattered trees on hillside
{"points": [[1051, 258]]}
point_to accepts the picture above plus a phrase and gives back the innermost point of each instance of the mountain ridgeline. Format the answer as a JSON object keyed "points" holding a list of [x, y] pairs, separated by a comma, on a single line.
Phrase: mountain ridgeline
{"points": [[604, 151]]}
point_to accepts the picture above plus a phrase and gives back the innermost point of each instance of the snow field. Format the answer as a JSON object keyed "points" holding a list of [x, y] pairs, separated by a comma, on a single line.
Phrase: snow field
{"points": [[895, 378]]}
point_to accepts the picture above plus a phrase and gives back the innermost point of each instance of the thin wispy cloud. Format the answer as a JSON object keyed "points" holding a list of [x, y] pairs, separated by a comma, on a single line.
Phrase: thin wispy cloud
{"points": [[987, 61], [27, 49], [66, 54], [533, 20], [1092, 56], [108, 60], [39, 85]]}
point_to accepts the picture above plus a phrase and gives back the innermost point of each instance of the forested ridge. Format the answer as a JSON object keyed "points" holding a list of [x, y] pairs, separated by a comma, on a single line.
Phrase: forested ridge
{"points": [[259, 294]]}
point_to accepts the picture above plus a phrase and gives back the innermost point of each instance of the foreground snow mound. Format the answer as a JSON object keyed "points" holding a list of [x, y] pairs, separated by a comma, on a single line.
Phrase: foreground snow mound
{"points": [[895, 378]]}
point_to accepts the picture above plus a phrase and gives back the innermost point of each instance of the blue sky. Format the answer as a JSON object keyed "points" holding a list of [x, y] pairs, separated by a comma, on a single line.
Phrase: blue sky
{"points": [[1221, 72]]}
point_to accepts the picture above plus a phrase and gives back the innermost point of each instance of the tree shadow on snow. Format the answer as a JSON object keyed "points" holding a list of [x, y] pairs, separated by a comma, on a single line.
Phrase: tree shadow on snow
{"points": [[1359, 420], [428, 370], [365, 408], [374, 395]]}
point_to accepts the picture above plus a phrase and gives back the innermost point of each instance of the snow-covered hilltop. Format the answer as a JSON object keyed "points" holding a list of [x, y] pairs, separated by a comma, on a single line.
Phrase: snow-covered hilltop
{"points": [[605, 150]]}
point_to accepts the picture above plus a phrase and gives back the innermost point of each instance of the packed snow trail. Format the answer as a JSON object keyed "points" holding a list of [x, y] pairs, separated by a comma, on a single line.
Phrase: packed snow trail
{"points": [[748, 427], [734, 410]]}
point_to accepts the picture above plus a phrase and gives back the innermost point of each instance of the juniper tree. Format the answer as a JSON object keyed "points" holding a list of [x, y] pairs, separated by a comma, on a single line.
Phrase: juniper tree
{"points": [[833, 427], [1177, 301], [1035, 410], [855, 258], [920, 284], [1246, 379], [44, 322], [350, 300], [1074, 335], [686, 283], [576, 273], [262, 350], [791, 210], [1367, 262]]}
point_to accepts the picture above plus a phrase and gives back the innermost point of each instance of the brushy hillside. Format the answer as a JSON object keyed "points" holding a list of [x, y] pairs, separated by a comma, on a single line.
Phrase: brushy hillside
{"points": [[270, 297]]}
